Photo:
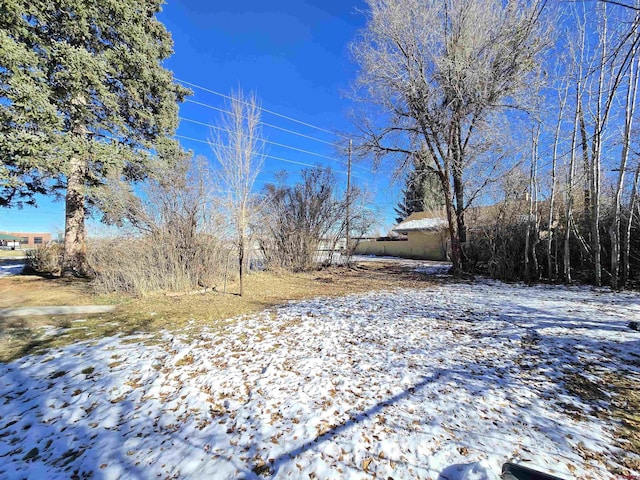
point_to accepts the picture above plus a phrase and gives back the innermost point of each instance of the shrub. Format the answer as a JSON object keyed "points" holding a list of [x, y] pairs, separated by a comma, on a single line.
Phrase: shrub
{"points": [[45, 259], [301, 219], [141, 265], [177, 242]]}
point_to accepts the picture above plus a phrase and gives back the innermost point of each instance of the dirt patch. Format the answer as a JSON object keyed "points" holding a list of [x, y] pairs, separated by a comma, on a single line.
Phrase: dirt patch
{"points": [[622, 412], [183, 314], [626, 412], [584, 388]]}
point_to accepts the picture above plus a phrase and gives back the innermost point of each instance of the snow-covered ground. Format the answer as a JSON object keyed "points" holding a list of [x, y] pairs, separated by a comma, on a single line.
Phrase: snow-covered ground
{"points": [[443, 382], [428, 267], [9, 269]]}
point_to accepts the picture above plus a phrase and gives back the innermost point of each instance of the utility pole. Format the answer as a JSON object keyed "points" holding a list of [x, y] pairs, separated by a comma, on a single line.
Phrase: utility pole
{"points": [[348, 219]]}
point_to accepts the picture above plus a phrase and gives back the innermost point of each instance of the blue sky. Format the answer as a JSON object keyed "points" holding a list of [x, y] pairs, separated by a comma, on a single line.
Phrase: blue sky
{"points": [[292, 53]]}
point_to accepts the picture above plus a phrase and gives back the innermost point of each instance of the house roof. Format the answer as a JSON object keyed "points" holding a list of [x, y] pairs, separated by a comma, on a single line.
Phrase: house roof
{"points": [[11, 238], [422, 222]]}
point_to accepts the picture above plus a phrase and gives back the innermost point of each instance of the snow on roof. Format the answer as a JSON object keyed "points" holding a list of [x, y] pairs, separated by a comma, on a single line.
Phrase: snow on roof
{"points": [[421, 222]]}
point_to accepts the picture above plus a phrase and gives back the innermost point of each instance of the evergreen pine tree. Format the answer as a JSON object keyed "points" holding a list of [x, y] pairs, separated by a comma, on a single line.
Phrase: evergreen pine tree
{"points": [[84, 97], [421, 191], [412, 197]]}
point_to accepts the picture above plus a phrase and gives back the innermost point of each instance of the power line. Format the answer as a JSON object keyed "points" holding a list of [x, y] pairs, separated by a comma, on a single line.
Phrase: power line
{"points": [[361, 167], [273, 157], [278, 172], [261, 108], [268, 125], [266, 141], [286, 160], [264, 123], [276, 183]]}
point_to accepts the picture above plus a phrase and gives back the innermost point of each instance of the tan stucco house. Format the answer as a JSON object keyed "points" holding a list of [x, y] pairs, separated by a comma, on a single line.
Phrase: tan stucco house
{"points": [[424, 236]]}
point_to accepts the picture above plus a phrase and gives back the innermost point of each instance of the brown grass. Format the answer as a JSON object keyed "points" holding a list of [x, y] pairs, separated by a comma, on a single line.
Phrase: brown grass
{"points": [[32, 291], [12, 253], [623, 414], [150, 314], [626, 411]]}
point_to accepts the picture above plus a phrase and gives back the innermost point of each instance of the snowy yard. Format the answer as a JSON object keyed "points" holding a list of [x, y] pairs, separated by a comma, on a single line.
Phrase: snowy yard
{"points": [[443, 382], [11, 267]]}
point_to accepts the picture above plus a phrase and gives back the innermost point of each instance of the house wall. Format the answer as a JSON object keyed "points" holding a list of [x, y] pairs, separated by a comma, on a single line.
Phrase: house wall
{"points": [[29, 238], [419, 245]]}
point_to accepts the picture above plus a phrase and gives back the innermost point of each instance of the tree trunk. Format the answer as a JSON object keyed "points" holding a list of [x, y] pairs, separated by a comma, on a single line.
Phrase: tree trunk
{"points": [[586, 162], [241, 248], [614, 229], [458, 186], [534, 248], [551, 272], [569, 212], [626, 244], [567, 248], [595, 221], [592, 189], [456, 255], [532, 236], [461, 228], [526, 253], [551, 265], [596, 155], [556, 271], [75, 262], [527, 236]]}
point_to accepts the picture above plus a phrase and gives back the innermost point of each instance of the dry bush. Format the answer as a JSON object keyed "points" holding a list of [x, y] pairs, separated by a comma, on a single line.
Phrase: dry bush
{"points": [[497, 250], [297, 218], [45, 259], [176, 244], [302, 224], [141, 265]]}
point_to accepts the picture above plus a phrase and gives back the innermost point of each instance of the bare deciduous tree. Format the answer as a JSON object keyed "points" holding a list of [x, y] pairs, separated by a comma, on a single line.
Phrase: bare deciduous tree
{"points": [[303, 223], [605, 63], [552, 266], [298, 218], [238, 146], [614, 229], [439, 70]]}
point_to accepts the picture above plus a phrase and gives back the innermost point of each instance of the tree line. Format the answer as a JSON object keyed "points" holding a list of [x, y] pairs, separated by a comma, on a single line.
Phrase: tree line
{"points": [[518, 118], [89, 112], [525, 114]]}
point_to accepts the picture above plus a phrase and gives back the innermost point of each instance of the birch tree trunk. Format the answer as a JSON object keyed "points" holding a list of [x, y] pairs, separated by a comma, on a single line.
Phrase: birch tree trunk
{"points": [[552, 269], [531, 217], [614, 229], [570, 180], [535, 222], [596, 155], [626, 244]]}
